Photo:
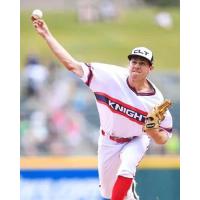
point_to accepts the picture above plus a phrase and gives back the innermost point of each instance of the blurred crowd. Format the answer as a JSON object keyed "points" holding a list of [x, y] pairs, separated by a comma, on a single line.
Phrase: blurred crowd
{"points": [[58, 114]]}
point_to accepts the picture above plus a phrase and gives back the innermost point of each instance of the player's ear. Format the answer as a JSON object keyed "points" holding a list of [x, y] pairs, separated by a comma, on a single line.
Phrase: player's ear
{"points": [[151, 67]]}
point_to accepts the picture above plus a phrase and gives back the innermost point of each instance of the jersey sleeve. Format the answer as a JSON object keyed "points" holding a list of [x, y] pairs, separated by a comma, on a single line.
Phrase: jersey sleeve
{"points": [[167, 123], [100, 77], [87, 73]]}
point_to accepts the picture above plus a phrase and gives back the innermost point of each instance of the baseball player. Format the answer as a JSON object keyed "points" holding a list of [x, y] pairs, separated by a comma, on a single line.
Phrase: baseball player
{"points": [[125, 98]]}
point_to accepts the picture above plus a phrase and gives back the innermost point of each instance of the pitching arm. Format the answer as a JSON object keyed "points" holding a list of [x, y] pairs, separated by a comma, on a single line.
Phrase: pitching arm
{"points": [[63, 56]]}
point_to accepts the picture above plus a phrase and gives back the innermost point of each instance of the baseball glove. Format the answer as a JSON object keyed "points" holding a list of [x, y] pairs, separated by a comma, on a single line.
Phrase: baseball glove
{"points": [[155, 117]]}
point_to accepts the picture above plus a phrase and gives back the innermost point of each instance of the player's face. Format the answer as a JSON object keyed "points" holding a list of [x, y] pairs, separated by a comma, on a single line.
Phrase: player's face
{"points": [[139, 68]]}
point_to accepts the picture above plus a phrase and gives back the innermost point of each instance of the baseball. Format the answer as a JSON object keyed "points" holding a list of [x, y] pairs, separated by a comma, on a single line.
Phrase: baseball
{"points": [[37, 14]]}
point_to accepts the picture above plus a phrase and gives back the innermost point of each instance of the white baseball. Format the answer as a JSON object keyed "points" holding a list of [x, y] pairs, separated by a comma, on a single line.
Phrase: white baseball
{"points": [[37, 14]]}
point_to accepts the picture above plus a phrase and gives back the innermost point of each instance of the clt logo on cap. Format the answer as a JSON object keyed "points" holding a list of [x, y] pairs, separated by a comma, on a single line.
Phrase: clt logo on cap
{"points": [[143, 52]]}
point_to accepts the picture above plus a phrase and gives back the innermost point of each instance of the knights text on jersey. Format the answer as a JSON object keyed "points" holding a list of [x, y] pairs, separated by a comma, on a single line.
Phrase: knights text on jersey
{"points": [[122, 110]]}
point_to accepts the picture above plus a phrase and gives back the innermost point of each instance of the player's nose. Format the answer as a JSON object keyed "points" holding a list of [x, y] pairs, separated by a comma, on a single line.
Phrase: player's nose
{"points": [[136, 65]]}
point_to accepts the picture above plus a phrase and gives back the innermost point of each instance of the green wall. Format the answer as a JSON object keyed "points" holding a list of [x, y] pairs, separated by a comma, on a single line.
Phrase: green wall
{"points": [[158, 184]]}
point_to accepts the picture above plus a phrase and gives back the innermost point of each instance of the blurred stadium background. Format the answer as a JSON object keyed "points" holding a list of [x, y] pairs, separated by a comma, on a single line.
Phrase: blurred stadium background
{"points": [[58, 116]]}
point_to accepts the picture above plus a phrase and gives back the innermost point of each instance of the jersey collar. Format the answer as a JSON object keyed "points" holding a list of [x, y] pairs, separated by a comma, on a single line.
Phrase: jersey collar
{"points": [[142, 93]]}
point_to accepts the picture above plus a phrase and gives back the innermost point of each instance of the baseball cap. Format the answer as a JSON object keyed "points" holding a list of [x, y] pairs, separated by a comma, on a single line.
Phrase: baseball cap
{"points": [[143, 52]]}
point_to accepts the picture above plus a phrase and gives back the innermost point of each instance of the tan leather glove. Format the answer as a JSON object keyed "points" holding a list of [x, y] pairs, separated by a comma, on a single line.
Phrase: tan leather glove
{"points": [[155, 117]]}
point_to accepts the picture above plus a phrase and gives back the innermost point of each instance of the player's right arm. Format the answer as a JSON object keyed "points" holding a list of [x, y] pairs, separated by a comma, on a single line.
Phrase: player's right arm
{"points": [[63, 56]]}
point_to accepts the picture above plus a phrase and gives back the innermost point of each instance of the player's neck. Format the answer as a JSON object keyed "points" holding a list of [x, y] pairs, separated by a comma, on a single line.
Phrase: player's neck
{"points": [[140, 85]]}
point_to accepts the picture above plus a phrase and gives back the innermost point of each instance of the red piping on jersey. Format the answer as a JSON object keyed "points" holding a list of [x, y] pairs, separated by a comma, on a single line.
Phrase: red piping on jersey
{"points": [[90, 75], [117, 112], [122, 103], [166, 129], [142, 93]]}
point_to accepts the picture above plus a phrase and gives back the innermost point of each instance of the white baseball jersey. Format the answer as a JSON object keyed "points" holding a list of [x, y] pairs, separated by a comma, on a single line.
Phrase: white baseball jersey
{"points": [[122, 114], [121, 109]]}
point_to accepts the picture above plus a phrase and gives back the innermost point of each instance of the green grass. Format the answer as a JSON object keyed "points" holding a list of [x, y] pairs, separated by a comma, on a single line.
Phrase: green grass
{"points": [[109, 42]]}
